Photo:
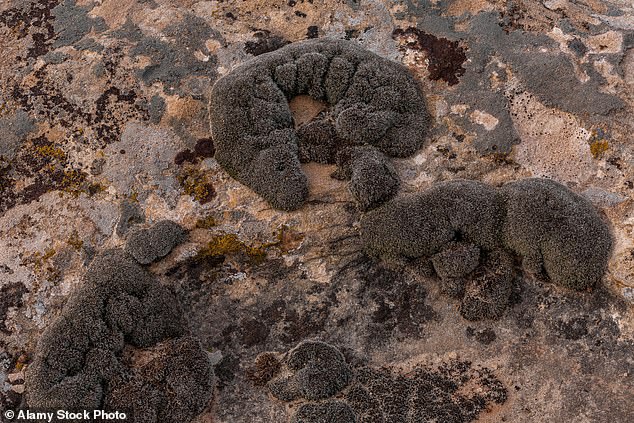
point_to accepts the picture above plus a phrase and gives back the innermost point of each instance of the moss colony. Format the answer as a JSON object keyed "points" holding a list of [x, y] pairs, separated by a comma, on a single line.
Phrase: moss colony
{"points": [[329, 390], [374, 102], [88, 358], [470, 230]]}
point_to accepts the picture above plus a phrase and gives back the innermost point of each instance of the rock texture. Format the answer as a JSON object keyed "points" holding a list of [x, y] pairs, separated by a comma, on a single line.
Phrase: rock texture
{"points": [[104, 130]]}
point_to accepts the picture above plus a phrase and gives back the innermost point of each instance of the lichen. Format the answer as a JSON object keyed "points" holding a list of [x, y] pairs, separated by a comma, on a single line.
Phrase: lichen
{"points": [[230, 244], [197, 185], [599, 147]]}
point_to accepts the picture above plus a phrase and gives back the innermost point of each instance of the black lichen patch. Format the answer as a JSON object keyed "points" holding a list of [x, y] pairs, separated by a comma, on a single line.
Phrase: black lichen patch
{"points": [[264, 42], [46, 100], [325, 412], [312, 32], [484, 336], [10, 296], [573, 329], [155, 242], [80, 359], [44, 166], [398, 305], [445, 57], [401, 305], [374, 101], [470, 230], [32, 18], [453, 391], [203, 149]]}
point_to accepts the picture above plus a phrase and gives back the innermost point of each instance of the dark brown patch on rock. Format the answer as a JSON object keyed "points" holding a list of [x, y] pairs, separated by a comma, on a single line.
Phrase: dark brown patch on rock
{"points": [[10, 296], [445, 57], [265, 42]]}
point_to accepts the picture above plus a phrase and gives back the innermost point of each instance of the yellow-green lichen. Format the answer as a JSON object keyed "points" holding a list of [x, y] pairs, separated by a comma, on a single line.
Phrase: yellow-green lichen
{"points": [[75, 241], [207, 222], [598, 148], [51, 152], [230, 244], [196, 184]]}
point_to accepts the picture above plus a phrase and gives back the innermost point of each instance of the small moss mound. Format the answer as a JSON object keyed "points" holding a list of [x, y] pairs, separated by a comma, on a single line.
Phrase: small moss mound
{"points": [[373, 179], [557, 232], [374, 102], [317, 371], [148, 245]]}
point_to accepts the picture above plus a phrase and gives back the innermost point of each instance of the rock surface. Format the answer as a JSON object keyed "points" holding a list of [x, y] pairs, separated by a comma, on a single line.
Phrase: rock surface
{"points": [[104, 125]]}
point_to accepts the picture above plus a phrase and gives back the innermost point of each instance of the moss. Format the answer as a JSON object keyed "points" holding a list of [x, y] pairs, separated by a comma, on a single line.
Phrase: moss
{"points": [[558, 233], [78, 362], [423, 224], [318, 371], [373, 178], [148, 245], [374, 102], [468, 230]]}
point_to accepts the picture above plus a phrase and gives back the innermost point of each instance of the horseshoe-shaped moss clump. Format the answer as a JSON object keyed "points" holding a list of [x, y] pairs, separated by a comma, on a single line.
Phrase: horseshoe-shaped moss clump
{"points": [[81, 360], [373, 101]]}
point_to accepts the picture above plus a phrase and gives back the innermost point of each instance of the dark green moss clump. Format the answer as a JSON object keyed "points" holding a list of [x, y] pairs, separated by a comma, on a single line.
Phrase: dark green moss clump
{"points": [[557, 232], [148, 245], [453, 391], [318, 371], [78, 363], [423, 224], [470, 230], [374, 102], [373, 179], [169, 387]]}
